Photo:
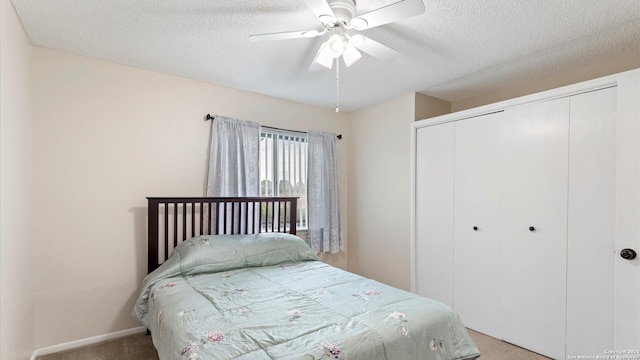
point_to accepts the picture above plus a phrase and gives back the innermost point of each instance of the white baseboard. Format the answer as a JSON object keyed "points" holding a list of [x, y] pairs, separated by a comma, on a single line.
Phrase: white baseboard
{"points": [[88, 341]]}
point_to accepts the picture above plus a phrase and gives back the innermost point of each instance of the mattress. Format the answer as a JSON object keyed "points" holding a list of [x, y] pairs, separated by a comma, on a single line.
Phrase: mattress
{"points": [[266, 296]]}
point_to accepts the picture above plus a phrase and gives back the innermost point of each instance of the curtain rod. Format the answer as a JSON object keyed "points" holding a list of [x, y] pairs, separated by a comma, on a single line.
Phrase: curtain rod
{"points": [[209, 117]]}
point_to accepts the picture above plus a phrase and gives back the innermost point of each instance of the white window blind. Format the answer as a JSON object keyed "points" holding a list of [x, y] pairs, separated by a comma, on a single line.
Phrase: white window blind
{"points": [[283, 167]]}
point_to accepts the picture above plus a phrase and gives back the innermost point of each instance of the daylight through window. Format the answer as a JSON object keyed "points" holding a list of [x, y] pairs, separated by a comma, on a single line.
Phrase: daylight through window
{"points": [[283, 168]]}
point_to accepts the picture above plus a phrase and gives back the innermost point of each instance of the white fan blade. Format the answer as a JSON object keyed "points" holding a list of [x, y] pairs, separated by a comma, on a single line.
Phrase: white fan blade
{"points": [[322, 10], [376, 49], [387, 14], [287, 35]]}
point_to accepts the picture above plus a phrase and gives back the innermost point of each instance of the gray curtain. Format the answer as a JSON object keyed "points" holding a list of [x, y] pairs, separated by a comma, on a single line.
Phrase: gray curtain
{"points": [[234, 155], [325, 228]]}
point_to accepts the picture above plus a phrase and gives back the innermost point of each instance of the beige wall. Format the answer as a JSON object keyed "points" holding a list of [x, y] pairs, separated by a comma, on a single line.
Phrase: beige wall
{"points": [[379, 191], [16, 198], [572, 77], [106, 136], [429, 106]]}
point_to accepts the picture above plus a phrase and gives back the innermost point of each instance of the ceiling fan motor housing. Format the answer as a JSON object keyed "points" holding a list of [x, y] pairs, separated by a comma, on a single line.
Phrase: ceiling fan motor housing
{"points": [[343, 10]]}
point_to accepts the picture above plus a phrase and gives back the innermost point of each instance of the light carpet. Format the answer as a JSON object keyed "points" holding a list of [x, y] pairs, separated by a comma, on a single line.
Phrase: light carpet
{"points": [[140, 347]]}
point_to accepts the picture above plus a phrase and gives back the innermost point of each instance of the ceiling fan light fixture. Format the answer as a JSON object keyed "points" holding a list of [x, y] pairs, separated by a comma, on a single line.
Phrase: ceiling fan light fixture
{"points": [[359, 23], [335, 45], [350, 55], [324, 56], [356, 40]]}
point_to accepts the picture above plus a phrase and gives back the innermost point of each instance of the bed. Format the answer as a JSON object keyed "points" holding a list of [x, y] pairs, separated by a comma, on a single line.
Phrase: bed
{"points": [[229, 279]]}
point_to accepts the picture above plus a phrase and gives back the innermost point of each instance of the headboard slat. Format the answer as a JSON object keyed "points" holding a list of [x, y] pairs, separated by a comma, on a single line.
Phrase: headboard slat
{"points": [[224, 215]]}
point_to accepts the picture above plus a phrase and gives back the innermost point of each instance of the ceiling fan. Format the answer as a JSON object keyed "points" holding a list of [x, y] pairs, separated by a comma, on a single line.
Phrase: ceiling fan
{"points": [[338, 19]]}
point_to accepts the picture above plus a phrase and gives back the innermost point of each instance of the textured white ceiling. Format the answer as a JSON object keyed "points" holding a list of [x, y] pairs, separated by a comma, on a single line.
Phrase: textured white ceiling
{"points": [[455, 50]]}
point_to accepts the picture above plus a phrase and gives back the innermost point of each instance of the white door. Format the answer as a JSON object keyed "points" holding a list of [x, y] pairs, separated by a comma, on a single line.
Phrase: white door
{"points": [[434, 212], [591, 232], [627, 272], [534, 246], [477, 225]]}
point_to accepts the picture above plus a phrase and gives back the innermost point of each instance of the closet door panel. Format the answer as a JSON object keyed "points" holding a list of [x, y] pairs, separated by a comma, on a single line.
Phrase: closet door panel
{"points": [[434, 212], [477, 225], [627, 272], [534, 246], [591, 232]]}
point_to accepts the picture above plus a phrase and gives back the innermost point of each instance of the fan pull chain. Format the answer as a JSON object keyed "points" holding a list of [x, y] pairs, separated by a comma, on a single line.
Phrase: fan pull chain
{"points": [[337, 85]]}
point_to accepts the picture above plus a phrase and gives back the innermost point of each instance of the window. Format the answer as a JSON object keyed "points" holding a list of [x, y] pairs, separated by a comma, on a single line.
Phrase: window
{"points": [[283, 167]]}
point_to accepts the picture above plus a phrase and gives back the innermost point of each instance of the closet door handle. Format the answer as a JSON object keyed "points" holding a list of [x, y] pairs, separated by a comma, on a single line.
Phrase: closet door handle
{"points": [[475, 228], [532, 229], [628, 254]]}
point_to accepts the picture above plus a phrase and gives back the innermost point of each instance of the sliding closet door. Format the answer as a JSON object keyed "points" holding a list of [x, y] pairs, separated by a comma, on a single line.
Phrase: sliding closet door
{"points": [[534, 252], [434, 212], [477, 231], [592, 211]]}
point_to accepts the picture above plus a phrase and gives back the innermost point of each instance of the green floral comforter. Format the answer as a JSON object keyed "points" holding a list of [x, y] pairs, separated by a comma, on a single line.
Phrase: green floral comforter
{"points": [[220, 297]]}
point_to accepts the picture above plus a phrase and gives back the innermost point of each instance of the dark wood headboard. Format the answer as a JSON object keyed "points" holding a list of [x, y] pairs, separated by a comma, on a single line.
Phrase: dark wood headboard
{"points": [[172, 220]]}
